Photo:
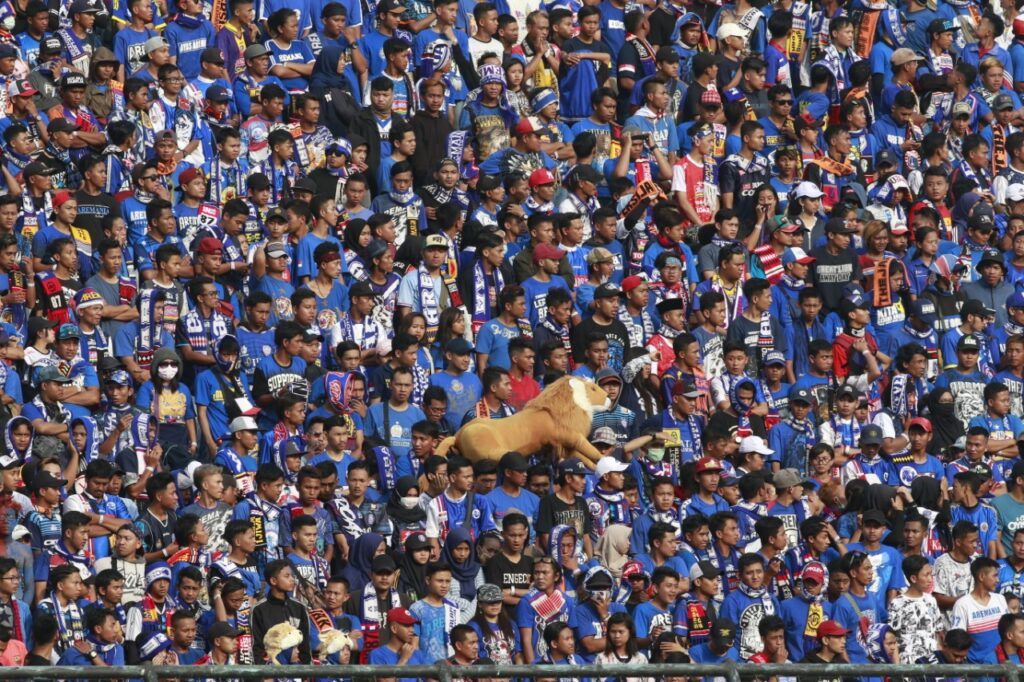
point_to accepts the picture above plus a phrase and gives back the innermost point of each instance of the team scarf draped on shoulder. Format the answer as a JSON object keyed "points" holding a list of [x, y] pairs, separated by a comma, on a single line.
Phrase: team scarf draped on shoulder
{"points": [[141, 441], [149, 329]]}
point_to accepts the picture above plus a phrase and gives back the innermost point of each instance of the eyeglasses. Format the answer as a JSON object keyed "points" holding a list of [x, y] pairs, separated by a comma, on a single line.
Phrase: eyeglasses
{"points": [[174, 79], [11, 577], [148, 177], [335, 152], [784, 102]]}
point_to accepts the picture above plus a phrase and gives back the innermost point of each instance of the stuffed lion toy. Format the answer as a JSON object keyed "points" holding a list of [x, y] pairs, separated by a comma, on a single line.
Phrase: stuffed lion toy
{"points": [[332, 641], [280, 637], [559, 417]]}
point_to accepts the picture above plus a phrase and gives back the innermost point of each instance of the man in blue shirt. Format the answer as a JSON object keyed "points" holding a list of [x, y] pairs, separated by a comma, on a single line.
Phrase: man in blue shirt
{"points": [[492, 342], [391, 420], [721, 647], [401, 647]]}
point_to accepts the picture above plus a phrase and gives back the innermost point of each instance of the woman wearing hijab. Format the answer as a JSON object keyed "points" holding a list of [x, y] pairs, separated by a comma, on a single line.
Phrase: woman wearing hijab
{"points": [[467, 575], [412, 567], [613, 548], [334, 88], [946, 427], [357, 236], [404, 510], [360, 561]]}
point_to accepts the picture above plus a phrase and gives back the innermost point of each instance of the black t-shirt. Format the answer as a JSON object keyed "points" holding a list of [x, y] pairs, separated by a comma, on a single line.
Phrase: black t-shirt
{"points": [[554, 512], [662, 26], [831, 273], [505, 573], [91, 210], [618, 341]]}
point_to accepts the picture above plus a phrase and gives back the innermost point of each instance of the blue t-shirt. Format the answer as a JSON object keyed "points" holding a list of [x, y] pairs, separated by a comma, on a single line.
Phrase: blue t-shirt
{"points": [[296, 53], [432, 631], [888, 563], [493, 342], [210, 395], [385, 656], [397, 432], [463, 392]]}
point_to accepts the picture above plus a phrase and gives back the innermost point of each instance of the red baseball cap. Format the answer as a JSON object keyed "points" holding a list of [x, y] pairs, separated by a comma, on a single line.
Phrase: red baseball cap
{"points": [[707, 464], [209, 246], [547, 251], [921, 423], [61, 197], [814, 570], [188, 175], [541, 176], [527, 125], [831, 628], [402, 616], [631, 282]]}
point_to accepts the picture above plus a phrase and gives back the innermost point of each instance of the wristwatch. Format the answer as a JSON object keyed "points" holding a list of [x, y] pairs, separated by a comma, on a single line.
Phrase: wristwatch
{"points": [[93, 655]]}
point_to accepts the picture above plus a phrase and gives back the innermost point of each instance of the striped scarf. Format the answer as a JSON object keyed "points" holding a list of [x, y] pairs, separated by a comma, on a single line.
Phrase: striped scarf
{"points": [[482, 293], [69, 623], [429, 305], [770, 263]]}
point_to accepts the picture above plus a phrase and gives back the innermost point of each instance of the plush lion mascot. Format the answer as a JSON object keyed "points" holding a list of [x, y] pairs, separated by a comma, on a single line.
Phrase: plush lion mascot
{"points": [[559, 418], [280, 637]]}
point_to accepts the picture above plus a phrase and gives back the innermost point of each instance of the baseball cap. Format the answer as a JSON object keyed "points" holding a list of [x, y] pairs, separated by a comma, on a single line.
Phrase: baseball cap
{"points": [[774, 357], [598, 578], [898, 227], [607, 290], [209, 246], [1015, 192], [417, 541], [599, 254], [874, 516], [705, 464], [489, 594], [217, 93], [21, 88], [922, 423], [959, 444], [755, 444], [541, 176], [527, 125], [785, 478], [401, 615], [885, 157], [924, 310], [903, 56], [831, 628], [608, 465], [84, 6], [666, 54], [542, 251], [155, 43], [435, 241], [243, 423], [382, 563], [968, 344], [220, 629], [687, 389], [61, 125], [604, 435], [276, 250], [459, 346], [800, 395], [975, 307], [981, 221], [871, 435], [20, 532], [605, 375], [838, 226], [44, 479], [119, 377], [572, 466], [731, 30], [814, 570], [670, 304], [514, 461], [212, 55], [807, 190], [276, 213], [254, 51], [52, 374], [990, 256], [68, 331], [943, 25], [50, 45], [704, 569], [1002, 101], [631, 282], [188, 175], [1016, 300], [781, 223], [723, 632]]}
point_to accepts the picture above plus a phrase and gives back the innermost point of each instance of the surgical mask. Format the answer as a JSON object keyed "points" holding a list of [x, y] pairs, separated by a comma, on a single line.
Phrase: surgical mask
{"points": [[167, 373], [410, 502], [655, 454]]}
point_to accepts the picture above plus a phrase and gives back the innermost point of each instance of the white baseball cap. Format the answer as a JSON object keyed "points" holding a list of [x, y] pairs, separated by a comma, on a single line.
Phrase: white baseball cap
{"points": [[1015, 192], [733, 30], [807, 190], [609, 465], [755, 444], [243, 424]]}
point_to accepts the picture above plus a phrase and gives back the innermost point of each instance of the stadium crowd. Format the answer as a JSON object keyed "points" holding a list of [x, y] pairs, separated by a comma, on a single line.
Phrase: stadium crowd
{"points": [[259, 259]]}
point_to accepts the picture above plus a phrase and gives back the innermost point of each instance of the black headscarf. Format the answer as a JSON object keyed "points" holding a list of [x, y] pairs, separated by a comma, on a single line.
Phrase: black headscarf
{"points": [[412, 577], [946, 427], [394, 505], [352, 231]]}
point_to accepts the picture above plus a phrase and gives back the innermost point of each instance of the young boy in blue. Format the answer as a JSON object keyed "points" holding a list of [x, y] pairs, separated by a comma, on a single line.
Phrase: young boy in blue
{"points": [[437, 614], [655, 616], [1004, 429], [858, 607], [749, 603]]}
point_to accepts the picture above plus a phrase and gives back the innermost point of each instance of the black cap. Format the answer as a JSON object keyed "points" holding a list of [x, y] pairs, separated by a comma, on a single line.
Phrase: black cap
{"points": [[838, 226], [572, 466], [871, 435], [212, 55], [44, 479], [51, 45], [60, 125], [847, 390], [885, 156], [217, 93], [361, 289], [991, 256], [382, 563], [723, 630], [73, 80], [981, 221], [607, 290], [666, 54], [304, 184], [220, 629], [874, 516], [514, 461], [975, 307], [968, 343], [800, 395]]}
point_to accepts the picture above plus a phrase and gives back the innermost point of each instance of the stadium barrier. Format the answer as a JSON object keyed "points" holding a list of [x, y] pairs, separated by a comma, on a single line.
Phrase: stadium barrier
{"points": [[446, 673]]}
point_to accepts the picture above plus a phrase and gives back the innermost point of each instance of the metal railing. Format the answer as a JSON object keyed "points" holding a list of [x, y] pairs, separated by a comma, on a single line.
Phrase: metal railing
{"points": [[445, 673]]}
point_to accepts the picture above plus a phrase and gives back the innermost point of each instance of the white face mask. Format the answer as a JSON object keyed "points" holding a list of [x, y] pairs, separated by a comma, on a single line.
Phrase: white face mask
{"points": [[167, 373], [410, 502]]}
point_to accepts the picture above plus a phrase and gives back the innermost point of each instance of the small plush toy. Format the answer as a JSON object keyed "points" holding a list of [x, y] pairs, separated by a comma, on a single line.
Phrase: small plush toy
{"points": [[559, 418], [332, 641], [280, 637]]}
